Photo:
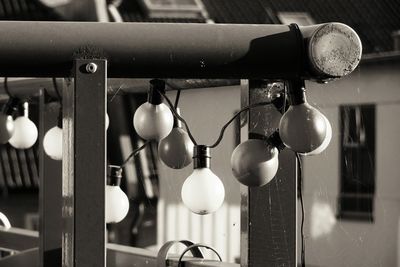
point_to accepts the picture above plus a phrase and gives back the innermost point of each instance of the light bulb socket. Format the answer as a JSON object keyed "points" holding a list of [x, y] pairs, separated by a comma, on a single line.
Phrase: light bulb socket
{"points": [[201, 157], [297, 92], [281, 103], [114, 175], [177, 122], [275, 140], [11, 106], [156, 88]]}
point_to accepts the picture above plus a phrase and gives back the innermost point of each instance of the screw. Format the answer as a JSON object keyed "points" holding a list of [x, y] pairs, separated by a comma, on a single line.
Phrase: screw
{"points": [[91, 67]]}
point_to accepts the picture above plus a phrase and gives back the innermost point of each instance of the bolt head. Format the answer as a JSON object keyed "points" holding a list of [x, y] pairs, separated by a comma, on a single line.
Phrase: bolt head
{"points": [[91, 67]]}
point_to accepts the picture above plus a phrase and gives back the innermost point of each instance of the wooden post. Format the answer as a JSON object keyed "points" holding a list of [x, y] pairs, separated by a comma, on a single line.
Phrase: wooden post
{"points": [[268, 213]]}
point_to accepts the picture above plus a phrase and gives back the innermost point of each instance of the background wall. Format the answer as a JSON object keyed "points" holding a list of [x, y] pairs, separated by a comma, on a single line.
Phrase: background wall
{"points": [[350, 243], [205, 111]]}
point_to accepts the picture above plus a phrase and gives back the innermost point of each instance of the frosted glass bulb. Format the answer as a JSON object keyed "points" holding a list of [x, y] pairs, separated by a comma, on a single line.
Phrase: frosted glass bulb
{"points": [[153, 122], [255, 162], [117, 204], [25, 133], [203, 192], [176, 150], [6, 128], [302, 128], [52, 143], [326, 141]]}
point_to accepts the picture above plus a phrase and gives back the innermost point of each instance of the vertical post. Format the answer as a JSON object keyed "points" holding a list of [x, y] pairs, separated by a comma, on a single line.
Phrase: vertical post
{"points": [[268, 213], [50, 199], [84, 167]]}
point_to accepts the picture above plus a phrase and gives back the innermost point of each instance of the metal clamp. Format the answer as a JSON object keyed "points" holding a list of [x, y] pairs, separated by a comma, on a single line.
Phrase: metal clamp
{"points": [[162, 260], [197, 246]]}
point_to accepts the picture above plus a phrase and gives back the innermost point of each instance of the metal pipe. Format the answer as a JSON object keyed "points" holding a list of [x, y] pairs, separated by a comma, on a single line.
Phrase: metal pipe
{"points": [[163, 50]]}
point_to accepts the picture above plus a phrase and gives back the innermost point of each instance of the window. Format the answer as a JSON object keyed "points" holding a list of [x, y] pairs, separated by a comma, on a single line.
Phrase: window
{"points": [[357, 185], [190, 9], [300, 18]]}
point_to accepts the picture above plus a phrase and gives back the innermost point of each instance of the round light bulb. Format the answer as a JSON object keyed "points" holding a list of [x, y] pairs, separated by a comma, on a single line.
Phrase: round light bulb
{"points": [[153, 122], [117, 204], [52, 143], [255, 162], [302, 128], [203, 192], [6, 128], [326, 141], [176, 150], [25, 133]]}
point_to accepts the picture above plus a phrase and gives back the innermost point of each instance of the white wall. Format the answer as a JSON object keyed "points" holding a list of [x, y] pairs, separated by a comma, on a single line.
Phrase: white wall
{"points": [[348, 243], [206, 110]]}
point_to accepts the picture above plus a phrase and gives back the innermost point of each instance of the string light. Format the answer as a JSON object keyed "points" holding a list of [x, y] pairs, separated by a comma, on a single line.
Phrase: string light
{"points": [[25, 131], [202, 192], [153, 120], [117, 203], [302, 127], [176, 150], [6, 121], [255, 161], [52, 141]]}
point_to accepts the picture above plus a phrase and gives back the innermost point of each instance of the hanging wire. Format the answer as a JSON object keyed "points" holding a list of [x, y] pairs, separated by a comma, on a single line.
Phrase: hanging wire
{"points": [[6, 88], [221, 135], [171, 107], [134, 153], [247, 108], [300, 194], [178, 95]]}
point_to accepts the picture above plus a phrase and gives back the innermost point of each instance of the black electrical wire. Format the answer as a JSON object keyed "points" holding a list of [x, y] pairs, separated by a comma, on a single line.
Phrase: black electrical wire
{"points": [[178, 95], [300, 194], [221, 135], [247, 108], [6, 88], [171, 107], [134, 153]]}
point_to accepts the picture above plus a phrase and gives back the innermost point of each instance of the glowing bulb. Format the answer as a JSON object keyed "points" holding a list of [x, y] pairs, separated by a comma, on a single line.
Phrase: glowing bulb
{"points": [[176, 150], [6, 128], [202, 192], [255, 162], [153, 120], [25, 133], [107, 121], [326, 141], [52, 143], [117, 203]]}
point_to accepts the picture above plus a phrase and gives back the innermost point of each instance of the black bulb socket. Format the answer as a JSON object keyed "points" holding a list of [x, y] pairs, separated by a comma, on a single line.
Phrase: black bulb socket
{"points": [[114, 175], [275, 140], [201, 157], [156, 88], [177, 122], [280, 103], [11, 106], [297, 92]]}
